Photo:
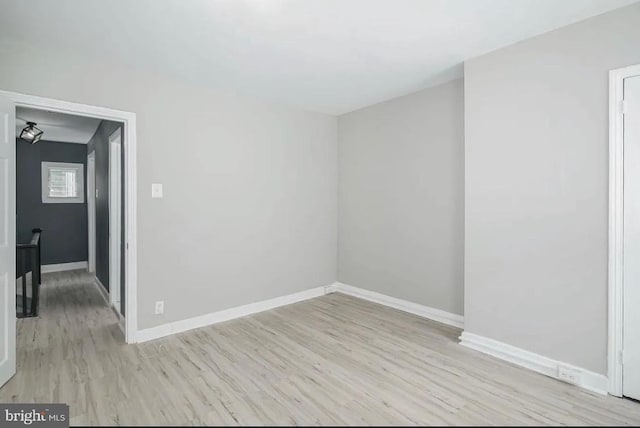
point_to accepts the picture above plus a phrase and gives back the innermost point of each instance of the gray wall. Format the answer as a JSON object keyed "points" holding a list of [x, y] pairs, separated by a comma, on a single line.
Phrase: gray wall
{"points": [[99, 144], [536, 184], [250, 206], [401, 197], [64, 236]]}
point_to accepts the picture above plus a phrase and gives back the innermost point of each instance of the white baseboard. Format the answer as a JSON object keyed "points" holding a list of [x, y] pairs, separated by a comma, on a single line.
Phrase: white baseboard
{"points": [[241, 311], [121, 320], [105, 295], [64, 266], [589, 380], [103, 291], [403, 305], [226, 315]]}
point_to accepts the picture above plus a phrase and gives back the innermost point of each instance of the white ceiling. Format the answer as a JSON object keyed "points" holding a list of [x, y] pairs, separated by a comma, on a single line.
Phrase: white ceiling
{"points": [[331, 56], [59, 127]]}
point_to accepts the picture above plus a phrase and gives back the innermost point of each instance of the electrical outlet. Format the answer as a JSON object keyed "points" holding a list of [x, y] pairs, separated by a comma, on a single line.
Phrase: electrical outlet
{"points": [[156, 190], [159, 307], [569, 375]]}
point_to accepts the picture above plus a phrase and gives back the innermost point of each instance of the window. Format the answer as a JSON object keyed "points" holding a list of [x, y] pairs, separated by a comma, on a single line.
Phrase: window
{"points": [[62, 183]]}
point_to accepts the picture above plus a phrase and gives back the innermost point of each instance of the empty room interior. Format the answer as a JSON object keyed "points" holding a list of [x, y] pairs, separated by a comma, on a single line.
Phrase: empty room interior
{"points": [[300, 212]]}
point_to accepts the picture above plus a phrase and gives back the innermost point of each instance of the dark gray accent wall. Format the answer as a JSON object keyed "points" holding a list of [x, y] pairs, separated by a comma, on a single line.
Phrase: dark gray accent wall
{"points": [[64, 237], [100, 144]]}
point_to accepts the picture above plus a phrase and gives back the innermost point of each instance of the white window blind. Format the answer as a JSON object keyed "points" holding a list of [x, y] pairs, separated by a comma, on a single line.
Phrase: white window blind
{"points": [[62, 183]]}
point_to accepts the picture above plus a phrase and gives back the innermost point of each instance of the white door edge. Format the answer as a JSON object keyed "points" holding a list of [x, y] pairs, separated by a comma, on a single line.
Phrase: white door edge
{"points": [[114, 218], [616, 210], [91, 210], [7, 240]]}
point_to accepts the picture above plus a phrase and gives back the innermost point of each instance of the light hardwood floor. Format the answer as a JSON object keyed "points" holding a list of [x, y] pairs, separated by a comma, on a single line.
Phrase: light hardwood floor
{"points": [[333, 360]]}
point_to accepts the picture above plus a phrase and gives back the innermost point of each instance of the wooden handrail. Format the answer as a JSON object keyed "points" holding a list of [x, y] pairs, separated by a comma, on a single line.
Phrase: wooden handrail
{"points": [[35, 241]]}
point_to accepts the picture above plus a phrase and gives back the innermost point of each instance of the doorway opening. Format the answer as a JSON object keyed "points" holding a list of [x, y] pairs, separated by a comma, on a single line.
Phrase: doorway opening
{"points": [[69, 189], [84, 189]]}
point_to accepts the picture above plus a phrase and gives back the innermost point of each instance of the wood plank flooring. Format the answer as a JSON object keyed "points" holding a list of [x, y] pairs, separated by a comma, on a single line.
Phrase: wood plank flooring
{"points": [[334, 360]]}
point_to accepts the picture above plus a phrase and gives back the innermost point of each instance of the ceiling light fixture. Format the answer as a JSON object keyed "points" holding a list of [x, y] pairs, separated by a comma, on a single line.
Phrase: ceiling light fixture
{"points": [[31, 134]]}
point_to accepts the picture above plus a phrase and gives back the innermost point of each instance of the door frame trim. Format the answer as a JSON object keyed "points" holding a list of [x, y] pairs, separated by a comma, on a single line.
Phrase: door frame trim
{"points": [[616, 225], [130, 180], [91, 211], [115, 244]]}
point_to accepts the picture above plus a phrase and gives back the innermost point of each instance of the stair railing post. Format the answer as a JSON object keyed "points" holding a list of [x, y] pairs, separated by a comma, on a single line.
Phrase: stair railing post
{"points": [[23, 260], [35, 282]]}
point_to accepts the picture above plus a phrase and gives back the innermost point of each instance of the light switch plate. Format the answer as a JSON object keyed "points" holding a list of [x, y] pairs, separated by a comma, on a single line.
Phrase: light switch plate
{"points": [[156, 190]]}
